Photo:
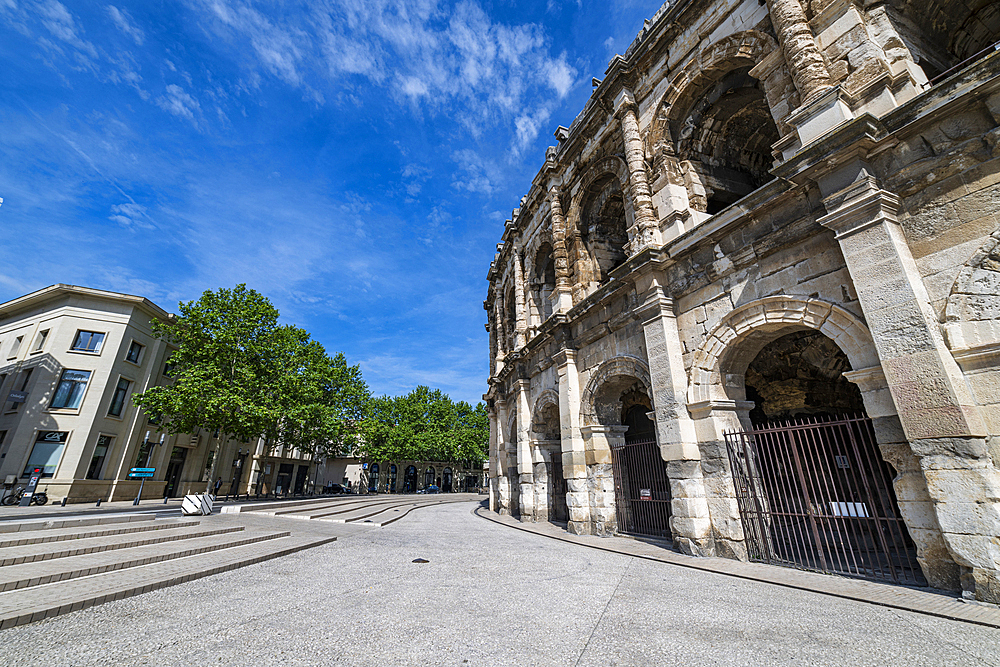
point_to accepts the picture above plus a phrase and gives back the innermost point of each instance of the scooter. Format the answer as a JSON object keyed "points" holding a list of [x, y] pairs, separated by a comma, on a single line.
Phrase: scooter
{"points": [[39, 498]]}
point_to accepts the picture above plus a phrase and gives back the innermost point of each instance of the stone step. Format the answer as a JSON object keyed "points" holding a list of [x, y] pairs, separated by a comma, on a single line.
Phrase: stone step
{"points": [[73, 522], [61, 534], [15, 577], [39, 602], [32, 553], [342, 508], [387, 516], [382, 515], [273, 505]]}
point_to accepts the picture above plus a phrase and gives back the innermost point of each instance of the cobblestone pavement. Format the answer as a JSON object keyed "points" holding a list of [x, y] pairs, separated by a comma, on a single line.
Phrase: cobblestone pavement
{"points": [[489, 595]]}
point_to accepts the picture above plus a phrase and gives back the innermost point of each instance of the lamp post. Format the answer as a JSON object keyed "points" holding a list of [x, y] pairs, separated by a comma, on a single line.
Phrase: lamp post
{"points": [[142, 480]]}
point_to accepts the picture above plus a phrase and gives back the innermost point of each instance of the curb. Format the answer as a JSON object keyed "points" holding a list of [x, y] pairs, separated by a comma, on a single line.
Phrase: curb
{"points": [[947, 607]]}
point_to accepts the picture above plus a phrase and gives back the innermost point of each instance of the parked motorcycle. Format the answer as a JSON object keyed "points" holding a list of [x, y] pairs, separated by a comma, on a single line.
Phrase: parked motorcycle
{"points": [[40, 498]]}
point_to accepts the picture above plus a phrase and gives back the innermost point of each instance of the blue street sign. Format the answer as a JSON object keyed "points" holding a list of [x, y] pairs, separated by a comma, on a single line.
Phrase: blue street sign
{"points": [[140, 474], [142, 469]]}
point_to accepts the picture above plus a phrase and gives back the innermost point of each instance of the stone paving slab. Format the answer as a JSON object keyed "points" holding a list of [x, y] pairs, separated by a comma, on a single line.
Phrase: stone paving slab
{"points": [[173, 532], [62, 535], [40, 602], [926, 601], [28, 524], [14, 577]]}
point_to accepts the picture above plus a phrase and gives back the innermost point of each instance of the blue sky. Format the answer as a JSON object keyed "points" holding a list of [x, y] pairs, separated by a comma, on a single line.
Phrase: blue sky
{"points": [[353, 160]]}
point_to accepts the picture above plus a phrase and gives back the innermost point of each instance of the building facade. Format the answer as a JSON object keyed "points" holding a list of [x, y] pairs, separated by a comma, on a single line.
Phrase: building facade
{"points": [[751, 301], [70, 359]]}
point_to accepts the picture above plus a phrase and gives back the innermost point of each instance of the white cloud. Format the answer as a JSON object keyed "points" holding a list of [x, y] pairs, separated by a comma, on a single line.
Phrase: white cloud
{"points": [[123, 20], [179, 103], [130, 215]]}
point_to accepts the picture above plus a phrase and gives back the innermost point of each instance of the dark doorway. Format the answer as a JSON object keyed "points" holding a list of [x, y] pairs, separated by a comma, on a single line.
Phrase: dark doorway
{"points": [[300, 479], [373, 471], [238, 462], [558, 511], [392, 479], [429, 477], [642, 489], [284, 478], [174, 468], [446, 481], [410, 480]]}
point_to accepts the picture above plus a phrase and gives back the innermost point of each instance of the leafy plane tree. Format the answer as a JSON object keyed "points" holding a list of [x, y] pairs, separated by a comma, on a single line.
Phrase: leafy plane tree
{"points": [[424, 425], [237, 371]]}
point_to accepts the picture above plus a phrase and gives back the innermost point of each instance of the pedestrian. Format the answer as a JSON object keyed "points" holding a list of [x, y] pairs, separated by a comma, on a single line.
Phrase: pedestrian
{"points": [[218, 485]]}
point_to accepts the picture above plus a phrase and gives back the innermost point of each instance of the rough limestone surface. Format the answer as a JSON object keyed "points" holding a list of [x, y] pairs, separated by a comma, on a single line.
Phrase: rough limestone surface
{"points": [[766, 213]]}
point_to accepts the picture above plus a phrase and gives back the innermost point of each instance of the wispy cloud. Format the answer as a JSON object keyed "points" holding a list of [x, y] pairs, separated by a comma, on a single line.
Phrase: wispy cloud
{"points": [[123, 20], [179, 103]]}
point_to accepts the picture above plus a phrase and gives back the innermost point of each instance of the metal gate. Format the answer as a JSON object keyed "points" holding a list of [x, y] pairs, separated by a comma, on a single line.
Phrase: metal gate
{"points": [[642, 490], [815, 493]]}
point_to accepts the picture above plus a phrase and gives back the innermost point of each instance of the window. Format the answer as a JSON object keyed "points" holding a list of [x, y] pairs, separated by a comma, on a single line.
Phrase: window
{"points": [[45, 454], [15, 347], [88, 341], [40, 341], [134, 352], [69, 393], [118, 400], [100, 453], [3, 447], [25, 378]]}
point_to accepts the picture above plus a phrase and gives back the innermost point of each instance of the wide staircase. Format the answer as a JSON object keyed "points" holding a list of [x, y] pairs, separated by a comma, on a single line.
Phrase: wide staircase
{"points": [[375, 510], [51, 567]]}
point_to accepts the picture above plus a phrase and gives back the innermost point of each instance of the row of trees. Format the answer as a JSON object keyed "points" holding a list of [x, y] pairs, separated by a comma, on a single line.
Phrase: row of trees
{"points": [[238, 372]]}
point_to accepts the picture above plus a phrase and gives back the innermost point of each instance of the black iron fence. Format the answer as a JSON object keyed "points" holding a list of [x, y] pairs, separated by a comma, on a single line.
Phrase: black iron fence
{"points": [[816, 494], [642, 490]]}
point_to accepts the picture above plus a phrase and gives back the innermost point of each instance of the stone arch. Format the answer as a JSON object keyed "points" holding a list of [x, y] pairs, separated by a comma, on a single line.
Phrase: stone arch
{"points": [[975, 294], [624, 367], [716, 122], [544, 400], [720, 362], [584, 267], [540, 277], [741, 49]]}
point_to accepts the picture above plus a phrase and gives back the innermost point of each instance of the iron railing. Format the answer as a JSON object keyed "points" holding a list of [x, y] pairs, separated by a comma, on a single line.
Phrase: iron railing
{"points": [[642, 490], [816, 494]]}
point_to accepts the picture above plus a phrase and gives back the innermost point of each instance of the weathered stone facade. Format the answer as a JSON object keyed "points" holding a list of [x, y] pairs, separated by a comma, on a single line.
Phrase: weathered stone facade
{"points": [[765, 209]]}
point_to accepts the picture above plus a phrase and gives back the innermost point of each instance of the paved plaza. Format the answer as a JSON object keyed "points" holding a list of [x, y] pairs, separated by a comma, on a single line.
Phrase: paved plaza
{"points": [[489, 595]]}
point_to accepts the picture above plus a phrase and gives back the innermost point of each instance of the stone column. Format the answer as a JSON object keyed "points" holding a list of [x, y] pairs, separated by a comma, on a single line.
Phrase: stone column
{"points": [[690, 520], [502, 481], [600, 475], [805, 62], [938, 414], [574, 454], [646, 231], [525, 468], [494, 463], [520, 303], [563, 296]]}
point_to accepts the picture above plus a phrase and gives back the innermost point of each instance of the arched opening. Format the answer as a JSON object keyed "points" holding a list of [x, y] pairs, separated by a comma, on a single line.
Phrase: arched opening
{"points": [[550, 484], [428, 477], [410, 479], [726, 139], [392, 478], [642, 488], [446, 481], [941, 35], [812, 487], [604, 226], [799, 375], [510, 316], [543, 283], [373, 478]]}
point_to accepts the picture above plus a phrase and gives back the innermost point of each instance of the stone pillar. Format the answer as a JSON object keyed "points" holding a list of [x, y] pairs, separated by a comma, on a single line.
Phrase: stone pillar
{"points": [[502, 480], [563, 294], [690, 521], [600, 475], [646, 231], [805, 62], [520, 303], [494, 463], [936, 409], [574, 456], [525, 468]]}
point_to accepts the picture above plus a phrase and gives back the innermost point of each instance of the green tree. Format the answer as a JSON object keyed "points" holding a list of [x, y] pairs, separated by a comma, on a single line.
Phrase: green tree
{"points": [[424, 425]]}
